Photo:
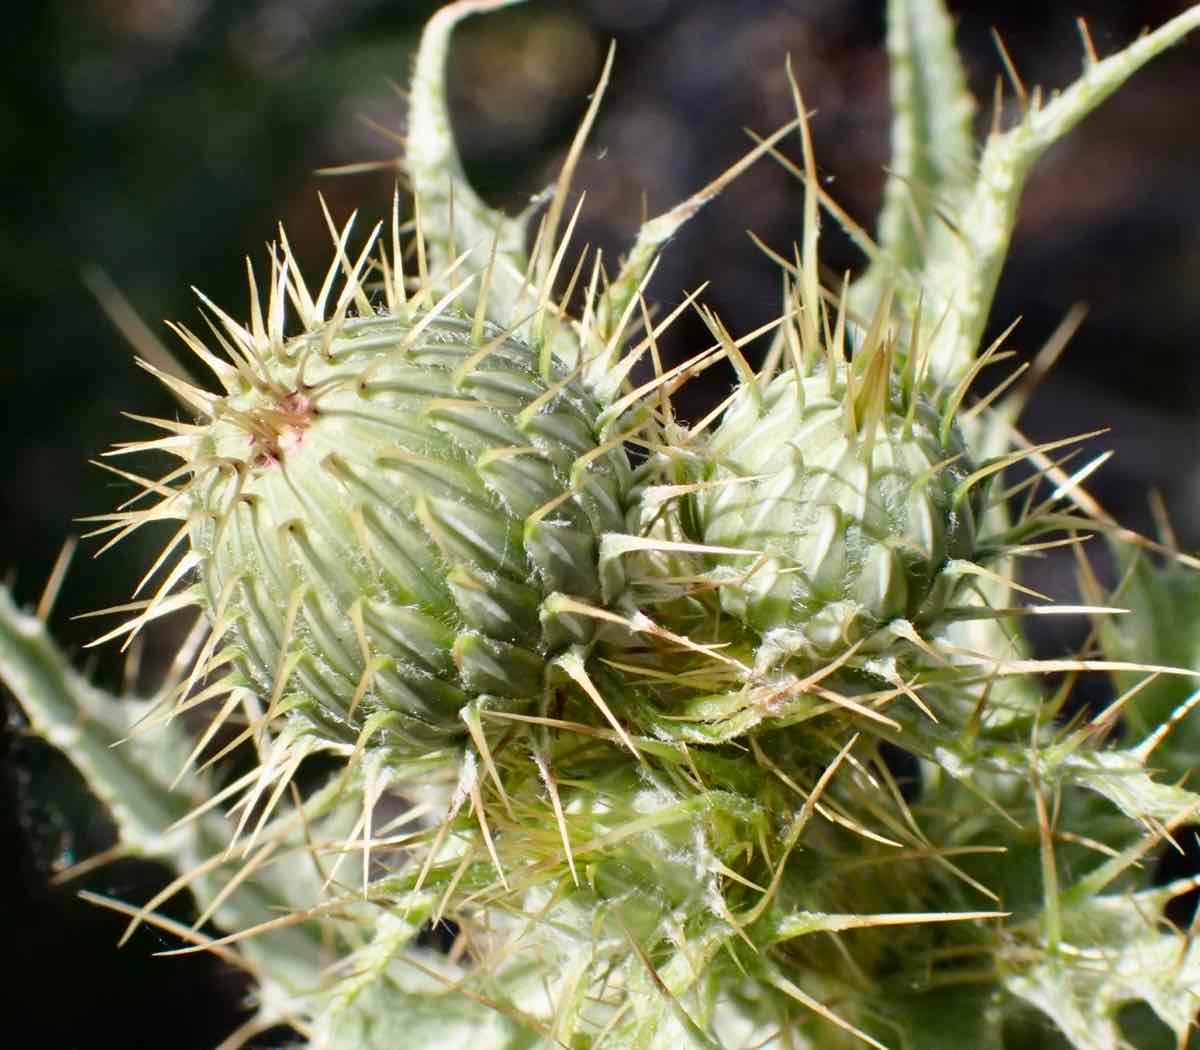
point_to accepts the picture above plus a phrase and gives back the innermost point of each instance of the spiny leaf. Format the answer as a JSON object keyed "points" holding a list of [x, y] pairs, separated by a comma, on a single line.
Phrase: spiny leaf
{"points": [[451, 211], [85, 723], [1163, 627], [933, 148], [961, 271], [133, 776], [1118, 954]]}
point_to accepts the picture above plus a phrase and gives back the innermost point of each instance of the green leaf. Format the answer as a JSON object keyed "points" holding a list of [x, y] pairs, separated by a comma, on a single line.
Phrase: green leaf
{"points": [[1161, 627], [1121, 777], [453, 217], [415, 1007], [933, 147], [960, 273], [947, 222], [85, 723], [394, 987], [1115, 952], [134, 773]]}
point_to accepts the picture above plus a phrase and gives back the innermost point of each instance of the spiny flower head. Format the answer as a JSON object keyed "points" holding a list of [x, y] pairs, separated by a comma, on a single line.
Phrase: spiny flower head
{"points": [[420, 495], [377, 506], [843, 486]]}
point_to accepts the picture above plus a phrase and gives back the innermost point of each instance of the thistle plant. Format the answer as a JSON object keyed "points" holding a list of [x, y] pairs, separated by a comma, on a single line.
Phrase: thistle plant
{"points": [[720, 733]]}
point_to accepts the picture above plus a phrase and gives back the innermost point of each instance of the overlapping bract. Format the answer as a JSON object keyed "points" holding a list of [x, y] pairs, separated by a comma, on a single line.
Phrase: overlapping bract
{"points": [[380, 519], [855, 518]]}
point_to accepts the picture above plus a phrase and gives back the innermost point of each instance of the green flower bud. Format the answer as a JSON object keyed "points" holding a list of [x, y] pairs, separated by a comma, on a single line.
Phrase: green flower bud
{"points": [[848, 487], [378, 507], [412, 505]]}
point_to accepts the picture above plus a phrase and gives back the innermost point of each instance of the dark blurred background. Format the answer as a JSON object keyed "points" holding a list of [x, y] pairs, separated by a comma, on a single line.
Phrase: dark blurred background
{"points": [[161, 141]]}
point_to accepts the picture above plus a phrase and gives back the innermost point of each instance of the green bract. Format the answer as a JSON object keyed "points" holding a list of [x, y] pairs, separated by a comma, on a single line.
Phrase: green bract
{"points": [[380, 510], [848, 489]]}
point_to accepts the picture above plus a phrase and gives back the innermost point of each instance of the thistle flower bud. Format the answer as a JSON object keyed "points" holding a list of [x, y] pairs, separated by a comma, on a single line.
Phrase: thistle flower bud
{"points": [[378, 507], [413, 506], [848, 483]]}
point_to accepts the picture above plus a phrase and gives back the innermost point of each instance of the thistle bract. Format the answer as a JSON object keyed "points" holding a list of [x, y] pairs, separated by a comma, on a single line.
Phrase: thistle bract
{"points": [[380, 509]]}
